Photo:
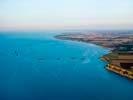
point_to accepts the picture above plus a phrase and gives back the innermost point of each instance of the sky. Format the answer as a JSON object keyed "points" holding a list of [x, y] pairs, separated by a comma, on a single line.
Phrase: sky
{"points": [[65, 14]]}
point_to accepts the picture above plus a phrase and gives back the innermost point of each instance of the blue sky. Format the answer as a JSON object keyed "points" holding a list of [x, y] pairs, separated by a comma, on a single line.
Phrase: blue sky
{"points": [[66, 14]]}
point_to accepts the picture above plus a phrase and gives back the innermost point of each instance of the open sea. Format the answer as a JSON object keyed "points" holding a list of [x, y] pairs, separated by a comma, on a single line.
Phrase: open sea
{"points": [[36, 66]]}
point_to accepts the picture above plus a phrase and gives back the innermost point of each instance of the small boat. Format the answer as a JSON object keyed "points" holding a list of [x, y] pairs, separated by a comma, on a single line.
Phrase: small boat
{"points": [[82, 58], [73, 58], [58, 59], [16, 53]]}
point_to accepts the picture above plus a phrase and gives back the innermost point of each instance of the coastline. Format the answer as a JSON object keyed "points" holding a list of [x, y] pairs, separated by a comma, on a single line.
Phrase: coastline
{"points": [[58, 37], [107, 58]]}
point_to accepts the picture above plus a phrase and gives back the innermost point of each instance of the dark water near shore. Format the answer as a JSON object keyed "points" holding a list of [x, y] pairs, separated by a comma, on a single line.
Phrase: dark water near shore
{"points": [[39, 67]]}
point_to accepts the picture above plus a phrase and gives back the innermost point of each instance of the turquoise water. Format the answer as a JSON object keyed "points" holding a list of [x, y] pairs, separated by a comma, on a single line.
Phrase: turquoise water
{"points": [[36, 66]]}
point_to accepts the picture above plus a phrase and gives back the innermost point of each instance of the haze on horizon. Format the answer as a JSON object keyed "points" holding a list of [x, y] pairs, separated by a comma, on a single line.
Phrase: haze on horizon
{"points": [[66, 14]]}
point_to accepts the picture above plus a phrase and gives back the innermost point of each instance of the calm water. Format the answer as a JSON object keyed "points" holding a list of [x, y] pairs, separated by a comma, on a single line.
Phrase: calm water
{"points": [[39, 67]]}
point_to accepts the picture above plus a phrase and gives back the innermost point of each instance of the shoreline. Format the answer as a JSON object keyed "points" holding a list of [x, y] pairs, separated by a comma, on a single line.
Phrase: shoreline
{"points": [[83, 42], [102, 41]]}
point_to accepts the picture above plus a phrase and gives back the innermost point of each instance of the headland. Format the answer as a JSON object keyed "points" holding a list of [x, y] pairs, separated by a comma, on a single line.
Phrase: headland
{"points": [[120, 43]]}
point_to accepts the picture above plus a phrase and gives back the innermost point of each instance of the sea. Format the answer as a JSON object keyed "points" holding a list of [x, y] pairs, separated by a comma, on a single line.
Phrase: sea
{"points": [[37, 66]]}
